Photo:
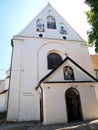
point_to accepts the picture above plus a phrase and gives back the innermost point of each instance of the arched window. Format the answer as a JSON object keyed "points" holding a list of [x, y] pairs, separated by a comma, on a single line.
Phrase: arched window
{"points": [[40, 25], [63, 29], [51, 23], [54, 60], [68, 73]]}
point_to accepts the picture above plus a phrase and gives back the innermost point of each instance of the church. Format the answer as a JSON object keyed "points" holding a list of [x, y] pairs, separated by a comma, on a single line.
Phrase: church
{"points": [[52, 78]]}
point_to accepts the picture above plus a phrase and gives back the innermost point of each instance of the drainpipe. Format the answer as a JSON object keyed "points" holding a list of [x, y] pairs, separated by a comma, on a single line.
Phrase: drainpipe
{"points": [[41, 105], [41, 102]]}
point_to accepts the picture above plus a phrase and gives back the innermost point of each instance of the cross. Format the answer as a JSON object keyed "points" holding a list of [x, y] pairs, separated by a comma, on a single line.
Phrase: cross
{"points": [[48, 3], [66, 54]]}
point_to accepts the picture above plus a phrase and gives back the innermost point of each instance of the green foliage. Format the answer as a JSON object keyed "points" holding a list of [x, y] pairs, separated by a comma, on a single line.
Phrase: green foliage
{"points": [[92, 17], [2, 115]]}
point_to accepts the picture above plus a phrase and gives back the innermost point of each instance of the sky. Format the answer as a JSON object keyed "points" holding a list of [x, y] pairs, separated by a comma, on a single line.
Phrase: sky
{"points": [[16, 14]]}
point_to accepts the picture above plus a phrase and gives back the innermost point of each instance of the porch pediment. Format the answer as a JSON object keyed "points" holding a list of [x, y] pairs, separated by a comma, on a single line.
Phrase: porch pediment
{"points": [[68, 71]]}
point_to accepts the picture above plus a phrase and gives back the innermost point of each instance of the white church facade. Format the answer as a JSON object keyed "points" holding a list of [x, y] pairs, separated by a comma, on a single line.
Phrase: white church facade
{"points": [[52, 79]]}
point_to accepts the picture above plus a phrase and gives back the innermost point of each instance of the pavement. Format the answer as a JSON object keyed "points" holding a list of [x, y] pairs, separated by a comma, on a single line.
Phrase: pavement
{"points": [[83, 125]]}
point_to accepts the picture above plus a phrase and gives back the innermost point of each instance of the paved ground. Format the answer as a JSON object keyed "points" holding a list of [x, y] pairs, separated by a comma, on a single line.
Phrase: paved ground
{"points": [[84, 125]]}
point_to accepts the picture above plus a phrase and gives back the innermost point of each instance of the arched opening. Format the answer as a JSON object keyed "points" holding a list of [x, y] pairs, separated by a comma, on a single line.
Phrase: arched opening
{"points": [[74, 111], [54, 60], [40, 25], [51, 23]]}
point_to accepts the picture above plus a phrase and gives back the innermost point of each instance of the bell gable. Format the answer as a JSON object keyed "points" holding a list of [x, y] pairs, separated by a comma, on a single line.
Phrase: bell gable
{"points": [[49, 24]]}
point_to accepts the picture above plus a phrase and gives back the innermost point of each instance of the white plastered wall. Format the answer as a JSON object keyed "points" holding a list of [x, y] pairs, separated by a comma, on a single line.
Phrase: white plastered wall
{"points": [[96, 90], [4, 86], [29, 66], [13, 102], [81, 56], [3, 102], [23, 99], [54, 103]]}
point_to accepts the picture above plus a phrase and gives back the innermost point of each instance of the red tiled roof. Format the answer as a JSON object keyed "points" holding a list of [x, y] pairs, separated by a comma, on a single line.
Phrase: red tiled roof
{"points": [[95, 61]]}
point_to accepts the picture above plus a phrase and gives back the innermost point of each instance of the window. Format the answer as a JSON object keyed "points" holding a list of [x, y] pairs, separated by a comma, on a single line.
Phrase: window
{"points": [[54, 60], [62, 29], [40, 26], [51, 23], [68, 73]]}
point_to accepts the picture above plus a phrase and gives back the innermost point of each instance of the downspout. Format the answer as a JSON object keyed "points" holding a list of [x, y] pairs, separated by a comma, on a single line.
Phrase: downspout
{"points": [[41, 102], [10, 76], [96, 71], [41, 106]]}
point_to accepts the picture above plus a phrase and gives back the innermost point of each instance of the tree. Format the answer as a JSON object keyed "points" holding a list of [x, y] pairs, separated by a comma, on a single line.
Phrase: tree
{"points": [[92, 17]]}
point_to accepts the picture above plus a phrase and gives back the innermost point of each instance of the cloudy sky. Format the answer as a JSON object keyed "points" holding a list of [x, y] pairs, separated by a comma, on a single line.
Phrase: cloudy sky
{"points": [[16, 14]]}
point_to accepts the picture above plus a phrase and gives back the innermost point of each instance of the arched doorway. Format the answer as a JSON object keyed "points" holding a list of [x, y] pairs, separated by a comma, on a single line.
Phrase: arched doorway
{"points": [[74, 111]]}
